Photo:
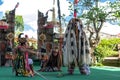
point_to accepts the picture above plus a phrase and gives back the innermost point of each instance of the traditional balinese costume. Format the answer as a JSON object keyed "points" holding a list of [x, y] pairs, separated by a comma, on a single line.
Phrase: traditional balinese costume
{"points": [[22, 63], [52, 63], [76, 47], [43, 59]]}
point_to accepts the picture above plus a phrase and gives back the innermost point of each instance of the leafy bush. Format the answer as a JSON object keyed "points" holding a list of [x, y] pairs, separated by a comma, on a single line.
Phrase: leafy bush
{"points": [[98, 64], [106, 48]]}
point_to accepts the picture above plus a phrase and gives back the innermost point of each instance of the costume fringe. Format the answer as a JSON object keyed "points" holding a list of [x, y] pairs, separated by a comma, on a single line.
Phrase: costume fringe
{"points": [[75, 49]]}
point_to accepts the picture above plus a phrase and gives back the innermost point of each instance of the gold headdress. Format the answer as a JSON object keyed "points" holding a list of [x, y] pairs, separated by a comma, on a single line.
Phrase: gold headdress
{"points": [[22, 39]]}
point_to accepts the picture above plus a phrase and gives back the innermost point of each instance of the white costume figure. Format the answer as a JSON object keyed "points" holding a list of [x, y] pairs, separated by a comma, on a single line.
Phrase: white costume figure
{"points": [[76, 47]]}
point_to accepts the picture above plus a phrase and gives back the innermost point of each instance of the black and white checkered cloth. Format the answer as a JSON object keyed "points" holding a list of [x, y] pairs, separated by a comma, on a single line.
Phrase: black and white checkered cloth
{"points": [[75, 49]]}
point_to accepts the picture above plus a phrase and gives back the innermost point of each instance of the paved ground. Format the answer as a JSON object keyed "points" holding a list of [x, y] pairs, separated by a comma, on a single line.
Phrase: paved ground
{"points": [[97, 73]]}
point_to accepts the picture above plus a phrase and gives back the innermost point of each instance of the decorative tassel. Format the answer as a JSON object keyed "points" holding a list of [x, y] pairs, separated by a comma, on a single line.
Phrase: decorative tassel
{"points": [[75, 8]]}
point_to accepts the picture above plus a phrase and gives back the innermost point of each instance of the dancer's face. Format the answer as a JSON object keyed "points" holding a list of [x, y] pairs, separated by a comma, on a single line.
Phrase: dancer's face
{"points": [[55, 52]]}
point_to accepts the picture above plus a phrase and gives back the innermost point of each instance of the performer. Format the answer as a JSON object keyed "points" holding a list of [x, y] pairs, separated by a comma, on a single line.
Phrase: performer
{"points": [[22, 62], [54, 63], [51, 63], [43, 59], [76, 47]]}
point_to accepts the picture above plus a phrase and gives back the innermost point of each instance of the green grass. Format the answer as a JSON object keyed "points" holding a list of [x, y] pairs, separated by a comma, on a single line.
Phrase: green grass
{"points": [[97, 73]]}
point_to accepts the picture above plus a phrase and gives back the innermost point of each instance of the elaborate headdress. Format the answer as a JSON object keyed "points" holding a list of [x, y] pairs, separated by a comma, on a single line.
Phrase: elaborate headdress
{"points": [[22, 39]]}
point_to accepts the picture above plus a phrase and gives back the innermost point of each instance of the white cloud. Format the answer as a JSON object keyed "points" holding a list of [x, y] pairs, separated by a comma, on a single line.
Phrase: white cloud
{"points": [[30, 34], [110, 29], [29, 9]]}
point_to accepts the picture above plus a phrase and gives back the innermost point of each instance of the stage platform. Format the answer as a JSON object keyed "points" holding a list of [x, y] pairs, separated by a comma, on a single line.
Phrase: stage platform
{"points": [[97, 73]]}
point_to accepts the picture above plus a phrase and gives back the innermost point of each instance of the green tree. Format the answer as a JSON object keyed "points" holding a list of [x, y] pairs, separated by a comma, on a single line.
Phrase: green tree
{"points": [[19, 23], [95, 19]]}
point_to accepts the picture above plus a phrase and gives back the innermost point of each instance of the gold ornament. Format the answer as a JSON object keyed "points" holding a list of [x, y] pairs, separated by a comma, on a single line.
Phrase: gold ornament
{"points": [[10, 36], [42, 37]]}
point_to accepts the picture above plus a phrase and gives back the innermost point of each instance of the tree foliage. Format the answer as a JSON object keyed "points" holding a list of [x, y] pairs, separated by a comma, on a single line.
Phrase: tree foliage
{"points": [[97, 15], [19, 23], [107, 47]]}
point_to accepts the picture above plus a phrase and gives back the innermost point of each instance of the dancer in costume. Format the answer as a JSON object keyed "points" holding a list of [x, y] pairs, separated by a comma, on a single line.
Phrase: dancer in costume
{"points": [[51, 63], [43, 59], [22, 62], [76, 47], [54, 63]]}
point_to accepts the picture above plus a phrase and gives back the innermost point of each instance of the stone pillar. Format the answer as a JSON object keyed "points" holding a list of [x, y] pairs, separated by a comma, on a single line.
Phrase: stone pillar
{"points": [[42, 29], [11, 21]]}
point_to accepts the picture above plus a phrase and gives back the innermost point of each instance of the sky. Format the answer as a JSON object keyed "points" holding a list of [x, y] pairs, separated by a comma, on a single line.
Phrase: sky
{"points": [[29, 8]]}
